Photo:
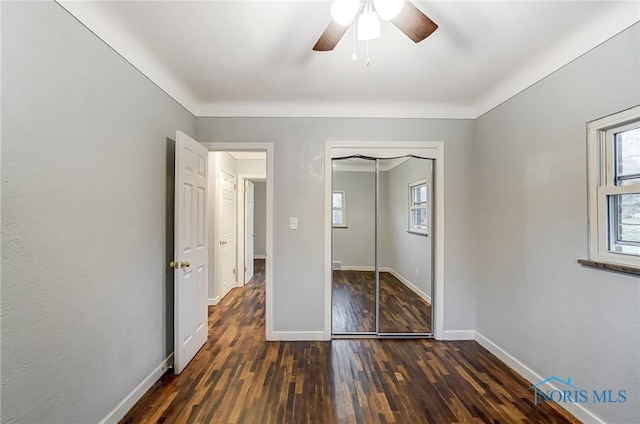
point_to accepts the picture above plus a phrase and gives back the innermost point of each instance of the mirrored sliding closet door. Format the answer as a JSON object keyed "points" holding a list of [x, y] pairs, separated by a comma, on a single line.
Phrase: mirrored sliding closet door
{"points": [[382, 251], [353, 247]]}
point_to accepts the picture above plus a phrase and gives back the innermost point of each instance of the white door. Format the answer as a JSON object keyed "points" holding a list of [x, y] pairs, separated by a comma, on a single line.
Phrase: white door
{"points": [[227, 232], [249, 231], [190, 254]]}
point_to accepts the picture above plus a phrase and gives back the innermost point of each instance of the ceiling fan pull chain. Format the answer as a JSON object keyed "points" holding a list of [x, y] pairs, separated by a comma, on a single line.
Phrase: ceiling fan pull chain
{"points": [[368, 61]]}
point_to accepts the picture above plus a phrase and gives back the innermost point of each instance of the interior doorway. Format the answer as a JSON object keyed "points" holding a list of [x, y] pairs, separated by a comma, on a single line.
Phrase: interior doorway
{"points": [[251, 165], [232, 179]]}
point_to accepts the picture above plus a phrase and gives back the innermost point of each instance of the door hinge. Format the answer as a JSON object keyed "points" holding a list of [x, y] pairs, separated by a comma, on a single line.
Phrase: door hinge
{"points": [[246, 269], [235, 186], [234, 271]]}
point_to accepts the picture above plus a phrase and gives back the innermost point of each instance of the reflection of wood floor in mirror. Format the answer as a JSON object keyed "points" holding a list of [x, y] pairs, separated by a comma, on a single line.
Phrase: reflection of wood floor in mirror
{"points": [[353, 309], [238, 377]]}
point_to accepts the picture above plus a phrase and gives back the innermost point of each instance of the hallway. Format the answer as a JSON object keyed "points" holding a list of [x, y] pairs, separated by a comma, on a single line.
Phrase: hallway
{"points": [[237, 377]]}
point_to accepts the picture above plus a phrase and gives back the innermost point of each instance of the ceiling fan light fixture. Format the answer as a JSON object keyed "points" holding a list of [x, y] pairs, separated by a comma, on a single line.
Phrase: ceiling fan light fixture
{"points": [[388, 9], [368, 26], [344, 11]]}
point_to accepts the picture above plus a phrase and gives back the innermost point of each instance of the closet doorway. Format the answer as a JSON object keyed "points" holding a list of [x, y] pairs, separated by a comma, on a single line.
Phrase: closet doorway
{"points": [[385, 223]]}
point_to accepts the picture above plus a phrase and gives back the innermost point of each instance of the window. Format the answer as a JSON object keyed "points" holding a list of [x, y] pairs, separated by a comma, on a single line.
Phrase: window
{"points": [[418, 207], [339, 203], [614, 188]]}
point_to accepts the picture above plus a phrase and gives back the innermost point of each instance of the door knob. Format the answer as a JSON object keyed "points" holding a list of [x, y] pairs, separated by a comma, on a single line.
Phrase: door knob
{"points": [[184, 264], [174, 264]]}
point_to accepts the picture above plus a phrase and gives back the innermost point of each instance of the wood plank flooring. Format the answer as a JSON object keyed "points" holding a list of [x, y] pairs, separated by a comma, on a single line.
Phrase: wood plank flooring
{"points": [[238, 377], [353, 298]]}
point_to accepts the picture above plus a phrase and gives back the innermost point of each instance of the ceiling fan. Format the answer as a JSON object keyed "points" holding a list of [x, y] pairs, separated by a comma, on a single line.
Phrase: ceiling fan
{"points": [[367, 14]]}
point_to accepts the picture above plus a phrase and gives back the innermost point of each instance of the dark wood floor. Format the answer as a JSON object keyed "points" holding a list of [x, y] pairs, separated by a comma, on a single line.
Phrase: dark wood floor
{"points": [[353, 304], [237, 377]]}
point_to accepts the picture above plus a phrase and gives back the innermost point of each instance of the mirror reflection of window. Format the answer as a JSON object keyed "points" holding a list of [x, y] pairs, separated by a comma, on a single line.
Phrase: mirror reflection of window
{"points": [[339, 208], [418, 206]]}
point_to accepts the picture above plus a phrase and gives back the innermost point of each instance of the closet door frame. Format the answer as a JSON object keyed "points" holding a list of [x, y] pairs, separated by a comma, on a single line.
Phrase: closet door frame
{"points": [[426, 149]]}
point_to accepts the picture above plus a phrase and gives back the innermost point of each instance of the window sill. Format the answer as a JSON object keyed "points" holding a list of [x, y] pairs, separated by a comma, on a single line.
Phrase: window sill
{"points": [[608, 266]]}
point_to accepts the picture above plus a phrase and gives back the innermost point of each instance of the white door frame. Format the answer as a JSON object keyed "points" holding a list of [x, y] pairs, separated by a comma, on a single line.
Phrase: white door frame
{"points": [[430, 149], [268, 148], [241, 214]]}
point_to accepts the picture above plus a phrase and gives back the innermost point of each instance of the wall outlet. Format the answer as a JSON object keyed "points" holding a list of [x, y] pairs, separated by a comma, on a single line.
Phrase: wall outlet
{"points": [[293, 223]]}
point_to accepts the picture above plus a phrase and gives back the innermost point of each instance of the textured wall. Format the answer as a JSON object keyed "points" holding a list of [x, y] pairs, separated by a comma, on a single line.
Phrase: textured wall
{"points": [[533, 299], [84, 208]]}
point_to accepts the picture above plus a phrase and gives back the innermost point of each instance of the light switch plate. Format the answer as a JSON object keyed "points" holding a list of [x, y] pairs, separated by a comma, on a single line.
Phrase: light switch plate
{"points": [[293, 223]]}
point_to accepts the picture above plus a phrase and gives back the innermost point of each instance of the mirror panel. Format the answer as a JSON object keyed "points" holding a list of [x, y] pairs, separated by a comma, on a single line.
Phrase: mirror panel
{"points": [[404, 249], [353, 247]]}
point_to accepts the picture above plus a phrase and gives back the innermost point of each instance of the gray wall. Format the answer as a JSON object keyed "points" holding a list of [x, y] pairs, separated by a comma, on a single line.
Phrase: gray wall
{"points": [[298, 268], [533, 299], [84, 206], [260, 218], [355, 245]]}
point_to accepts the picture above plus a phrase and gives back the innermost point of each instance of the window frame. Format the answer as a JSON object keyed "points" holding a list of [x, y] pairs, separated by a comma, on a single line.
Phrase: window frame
{"points": [[601, 180], [343, 209], [411, 207]]}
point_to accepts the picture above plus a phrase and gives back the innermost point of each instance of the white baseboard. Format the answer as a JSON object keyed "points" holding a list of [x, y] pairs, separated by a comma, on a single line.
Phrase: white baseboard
{"points": [[407, 283], [214, 301], [459, 335], [575, 409], [127, 403], [355, 268], [296, 336], [259, 256]]}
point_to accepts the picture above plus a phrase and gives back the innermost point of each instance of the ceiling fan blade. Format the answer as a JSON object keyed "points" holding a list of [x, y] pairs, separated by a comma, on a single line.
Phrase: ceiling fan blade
{"points": [[330, 37], [415, 24]]}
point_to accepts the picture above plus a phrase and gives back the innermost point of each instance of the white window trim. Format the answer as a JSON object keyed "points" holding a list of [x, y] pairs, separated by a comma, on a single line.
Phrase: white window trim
{"points": [[600, 186], [411, 207], [343, 208]]}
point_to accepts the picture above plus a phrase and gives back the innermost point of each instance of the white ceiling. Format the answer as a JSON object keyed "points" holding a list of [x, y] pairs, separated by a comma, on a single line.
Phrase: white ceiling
{"points": [[254, 58]]}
